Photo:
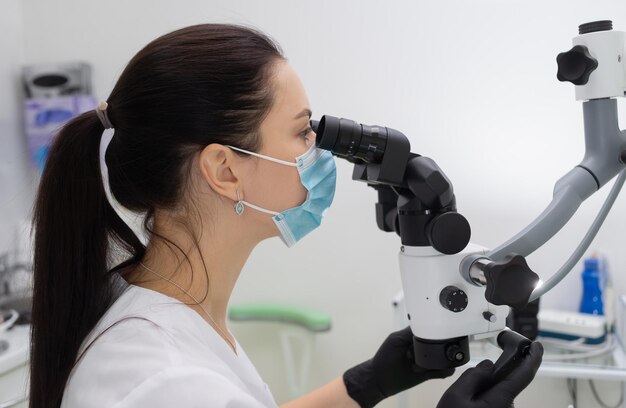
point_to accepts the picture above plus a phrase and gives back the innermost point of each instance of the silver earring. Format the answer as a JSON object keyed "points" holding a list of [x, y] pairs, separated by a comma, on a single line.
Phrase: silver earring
{"points": [[239, 206]]}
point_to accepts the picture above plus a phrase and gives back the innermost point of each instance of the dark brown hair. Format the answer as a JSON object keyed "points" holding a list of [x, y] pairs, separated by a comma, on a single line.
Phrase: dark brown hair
{"points": [[199, 85]]}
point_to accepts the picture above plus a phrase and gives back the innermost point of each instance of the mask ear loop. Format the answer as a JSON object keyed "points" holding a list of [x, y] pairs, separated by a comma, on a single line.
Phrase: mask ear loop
{"points": [[239, 207], [286, 163]]}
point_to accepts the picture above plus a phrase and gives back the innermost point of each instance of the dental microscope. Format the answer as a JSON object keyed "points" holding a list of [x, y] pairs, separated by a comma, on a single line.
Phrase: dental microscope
{"points": [[455, 289]]}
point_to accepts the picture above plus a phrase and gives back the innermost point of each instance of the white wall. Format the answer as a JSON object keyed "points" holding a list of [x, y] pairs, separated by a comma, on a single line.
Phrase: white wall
{"points": [[472, 84]]}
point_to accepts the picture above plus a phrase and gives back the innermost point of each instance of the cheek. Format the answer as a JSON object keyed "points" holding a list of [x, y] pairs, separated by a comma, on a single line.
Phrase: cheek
{"points": [[278, 187]]}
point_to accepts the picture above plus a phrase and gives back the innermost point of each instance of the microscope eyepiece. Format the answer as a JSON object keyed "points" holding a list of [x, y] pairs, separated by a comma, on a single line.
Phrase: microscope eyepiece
{"points": [[347, 138]]}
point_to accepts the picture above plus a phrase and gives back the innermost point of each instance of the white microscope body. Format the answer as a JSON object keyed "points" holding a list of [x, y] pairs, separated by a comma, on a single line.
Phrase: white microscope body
{"points": [[445, 305]]}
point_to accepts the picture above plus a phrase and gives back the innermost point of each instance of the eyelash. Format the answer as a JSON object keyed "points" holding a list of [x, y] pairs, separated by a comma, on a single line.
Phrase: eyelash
{"points": [[305, 132]]}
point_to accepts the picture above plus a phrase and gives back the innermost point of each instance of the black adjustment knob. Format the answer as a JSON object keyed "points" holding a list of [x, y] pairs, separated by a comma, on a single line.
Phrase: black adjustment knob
{"points": [[510, 282], [453, 299], [448, 233], [576, 65], [455, 353]]}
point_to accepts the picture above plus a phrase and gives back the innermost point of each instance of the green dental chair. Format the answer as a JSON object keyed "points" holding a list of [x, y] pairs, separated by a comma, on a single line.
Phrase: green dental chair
{"points": [[295, 319]]}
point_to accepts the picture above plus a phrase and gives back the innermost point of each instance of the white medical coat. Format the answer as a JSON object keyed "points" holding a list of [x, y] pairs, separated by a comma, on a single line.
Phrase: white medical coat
{"points": [[164, 355]]}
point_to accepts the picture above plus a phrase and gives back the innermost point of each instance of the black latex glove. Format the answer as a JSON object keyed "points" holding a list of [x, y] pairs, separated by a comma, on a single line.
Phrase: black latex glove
{"points": [[477, 388], [392, 370]]}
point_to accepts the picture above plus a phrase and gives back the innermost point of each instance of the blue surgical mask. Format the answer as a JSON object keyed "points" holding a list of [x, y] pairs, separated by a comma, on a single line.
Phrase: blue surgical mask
{"points": [[318, 175]]}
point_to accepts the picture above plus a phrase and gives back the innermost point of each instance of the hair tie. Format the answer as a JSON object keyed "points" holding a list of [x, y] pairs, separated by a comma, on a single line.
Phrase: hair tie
{"points": [[101, 111]]}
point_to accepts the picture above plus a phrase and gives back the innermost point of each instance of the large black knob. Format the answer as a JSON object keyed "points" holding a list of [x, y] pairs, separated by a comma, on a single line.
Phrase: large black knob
{"points": [[576, 65], [453, 299], [448, 233], [510, 281]]}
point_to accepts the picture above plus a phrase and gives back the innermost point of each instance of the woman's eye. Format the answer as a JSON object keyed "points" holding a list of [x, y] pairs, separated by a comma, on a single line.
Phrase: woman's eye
{"points": [[305, 132]]}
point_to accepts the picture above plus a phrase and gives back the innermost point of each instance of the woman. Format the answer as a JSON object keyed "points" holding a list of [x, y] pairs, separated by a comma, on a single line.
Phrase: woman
{"points": [[212, 144]]}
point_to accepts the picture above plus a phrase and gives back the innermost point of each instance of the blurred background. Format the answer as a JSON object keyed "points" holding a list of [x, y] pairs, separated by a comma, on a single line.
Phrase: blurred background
{"points": [[471, 83]]}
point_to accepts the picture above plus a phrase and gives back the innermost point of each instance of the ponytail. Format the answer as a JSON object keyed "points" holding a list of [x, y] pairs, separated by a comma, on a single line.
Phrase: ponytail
{"points": [[73, 286]]}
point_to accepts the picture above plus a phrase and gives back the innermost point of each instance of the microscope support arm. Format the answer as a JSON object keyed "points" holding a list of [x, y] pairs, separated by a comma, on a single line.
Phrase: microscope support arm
{"points": [[584, 244], [604, 158], [569, 194], [604, 144]]}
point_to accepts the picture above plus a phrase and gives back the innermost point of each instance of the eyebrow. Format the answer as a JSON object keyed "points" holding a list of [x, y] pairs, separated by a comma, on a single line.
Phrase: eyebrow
{"points": [[305, 112]]}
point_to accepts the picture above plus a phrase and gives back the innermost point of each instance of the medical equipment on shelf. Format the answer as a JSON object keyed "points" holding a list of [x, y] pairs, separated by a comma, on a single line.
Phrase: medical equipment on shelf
{"points": [[51, 80], [296, 336], [565, 325], [54, 94], [454, 289], [592, 298]]}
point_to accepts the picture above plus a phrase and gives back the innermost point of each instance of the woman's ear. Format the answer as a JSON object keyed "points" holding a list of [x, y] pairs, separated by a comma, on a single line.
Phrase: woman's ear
{"points": [[220, 168]]}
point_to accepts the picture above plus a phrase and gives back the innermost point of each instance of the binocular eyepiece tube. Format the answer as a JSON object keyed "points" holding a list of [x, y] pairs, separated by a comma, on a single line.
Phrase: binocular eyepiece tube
{"points": [[352, 140]]}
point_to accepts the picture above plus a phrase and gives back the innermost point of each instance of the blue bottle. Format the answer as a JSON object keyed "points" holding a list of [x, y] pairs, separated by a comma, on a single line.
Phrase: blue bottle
{"points": [[591, 301]]}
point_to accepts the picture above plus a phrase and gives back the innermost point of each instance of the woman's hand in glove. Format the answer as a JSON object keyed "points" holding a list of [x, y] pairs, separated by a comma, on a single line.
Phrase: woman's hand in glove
{"points": [[477, 388], [390, 371]]}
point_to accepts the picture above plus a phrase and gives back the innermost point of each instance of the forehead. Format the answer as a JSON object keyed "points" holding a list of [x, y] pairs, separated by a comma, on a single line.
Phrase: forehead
{"points": [[289, 96]]}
